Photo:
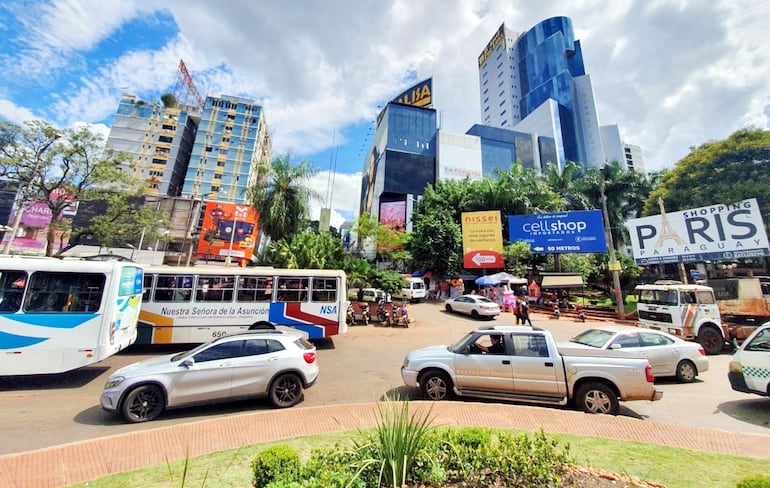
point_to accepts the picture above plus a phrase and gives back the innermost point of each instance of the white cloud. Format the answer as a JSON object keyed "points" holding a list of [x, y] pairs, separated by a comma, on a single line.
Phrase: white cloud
{"points": [[14, 113], [340, 192]]}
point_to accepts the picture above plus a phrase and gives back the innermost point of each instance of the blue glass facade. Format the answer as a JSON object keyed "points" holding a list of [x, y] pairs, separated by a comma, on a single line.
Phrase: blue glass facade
{"points": [[500, 148], [402, 160], [549, 59]]}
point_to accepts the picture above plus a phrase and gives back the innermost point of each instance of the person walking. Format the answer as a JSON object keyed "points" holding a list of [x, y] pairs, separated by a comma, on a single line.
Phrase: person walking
{"points": [[524, 313]]}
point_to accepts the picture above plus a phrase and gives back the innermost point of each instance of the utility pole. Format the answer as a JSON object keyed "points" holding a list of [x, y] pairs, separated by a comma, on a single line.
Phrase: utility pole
{"points": [[614, 265]]}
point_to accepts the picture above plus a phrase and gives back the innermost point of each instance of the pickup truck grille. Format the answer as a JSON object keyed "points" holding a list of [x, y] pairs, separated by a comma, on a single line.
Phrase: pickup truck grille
{"points": [[655, 316]]}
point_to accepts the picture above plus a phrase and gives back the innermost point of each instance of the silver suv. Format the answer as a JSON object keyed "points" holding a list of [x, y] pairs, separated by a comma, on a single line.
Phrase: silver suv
{"points": [[266, 363]]}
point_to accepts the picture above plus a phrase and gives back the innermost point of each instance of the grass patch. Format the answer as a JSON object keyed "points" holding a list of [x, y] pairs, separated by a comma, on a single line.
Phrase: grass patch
{"points": [[671, 467]]}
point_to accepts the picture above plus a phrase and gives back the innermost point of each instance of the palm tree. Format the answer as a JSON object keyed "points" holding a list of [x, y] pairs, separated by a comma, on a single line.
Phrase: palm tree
{"points": [[281, 197], [565, 183]]}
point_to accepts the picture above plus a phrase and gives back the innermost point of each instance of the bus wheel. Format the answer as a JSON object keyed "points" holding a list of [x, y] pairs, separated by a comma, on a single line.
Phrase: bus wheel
{"points": [[143, 403], [711, 340], [286, 391]]}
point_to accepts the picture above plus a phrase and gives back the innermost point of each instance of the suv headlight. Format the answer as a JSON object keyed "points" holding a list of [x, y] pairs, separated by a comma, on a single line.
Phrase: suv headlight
{"points": [[114, 381]]}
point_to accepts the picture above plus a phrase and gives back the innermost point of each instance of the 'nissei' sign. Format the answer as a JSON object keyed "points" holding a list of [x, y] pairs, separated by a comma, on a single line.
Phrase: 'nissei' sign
{"points": [[714, 233]]}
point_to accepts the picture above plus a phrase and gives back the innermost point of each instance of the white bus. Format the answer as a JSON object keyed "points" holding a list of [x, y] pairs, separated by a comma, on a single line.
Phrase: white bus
{"points": [[183, 305], [58, 315]]}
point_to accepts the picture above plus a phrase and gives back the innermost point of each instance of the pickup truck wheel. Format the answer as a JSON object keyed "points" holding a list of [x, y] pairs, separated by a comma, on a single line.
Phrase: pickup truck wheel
{"points": [[597, 398], [711, 340], [686, 372], [436, 385]]}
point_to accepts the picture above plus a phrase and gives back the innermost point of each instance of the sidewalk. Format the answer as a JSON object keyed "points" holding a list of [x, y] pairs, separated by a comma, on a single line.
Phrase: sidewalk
{"points": [[86, 460]]}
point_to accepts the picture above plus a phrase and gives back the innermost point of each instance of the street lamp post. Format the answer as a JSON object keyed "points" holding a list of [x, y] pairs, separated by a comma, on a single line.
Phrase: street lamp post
{"points": [[614, 265], [22, 197]]}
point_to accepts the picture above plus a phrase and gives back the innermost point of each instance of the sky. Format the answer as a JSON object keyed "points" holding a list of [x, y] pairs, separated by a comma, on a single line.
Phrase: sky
{"points": [[672, 74]]}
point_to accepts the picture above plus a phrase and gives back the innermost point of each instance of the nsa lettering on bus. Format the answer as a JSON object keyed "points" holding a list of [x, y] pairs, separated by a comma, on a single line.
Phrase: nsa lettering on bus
{"points": [[702, 226], [555, 226]]}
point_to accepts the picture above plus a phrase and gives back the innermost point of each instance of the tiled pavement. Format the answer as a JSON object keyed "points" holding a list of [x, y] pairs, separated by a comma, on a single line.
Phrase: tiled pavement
{"points": [[86, 460]]}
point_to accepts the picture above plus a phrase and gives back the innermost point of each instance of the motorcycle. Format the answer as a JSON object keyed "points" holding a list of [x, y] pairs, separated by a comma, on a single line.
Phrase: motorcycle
{"points": [[350, 316], [382, 315], [556, 310], [360, 317], [365, 313], [581, 315]]}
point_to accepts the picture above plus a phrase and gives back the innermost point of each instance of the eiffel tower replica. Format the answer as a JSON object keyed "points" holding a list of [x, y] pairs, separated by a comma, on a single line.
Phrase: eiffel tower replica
{"points": [[667, 233]]}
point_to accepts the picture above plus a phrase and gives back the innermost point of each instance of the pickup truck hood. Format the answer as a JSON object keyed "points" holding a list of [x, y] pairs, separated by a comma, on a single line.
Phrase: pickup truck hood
{"points": [[429, 352]]}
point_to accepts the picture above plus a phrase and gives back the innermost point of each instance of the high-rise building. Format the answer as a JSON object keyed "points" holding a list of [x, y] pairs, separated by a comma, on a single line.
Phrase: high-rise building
{"points": [[232, 138], [536, 83], [158, 140]]}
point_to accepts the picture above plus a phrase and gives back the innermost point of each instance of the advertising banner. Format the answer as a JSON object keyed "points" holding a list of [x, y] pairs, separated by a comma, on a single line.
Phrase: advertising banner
{"points": [[393, 214], [562, 232], [226, 223], [419, 95], [482, 240], [714, 233]]}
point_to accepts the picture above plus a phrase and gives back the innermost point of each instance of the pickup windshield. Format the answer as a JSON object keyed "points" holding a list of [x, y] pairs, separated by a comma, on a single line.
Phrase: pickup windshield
{"points": [[593, 338]]}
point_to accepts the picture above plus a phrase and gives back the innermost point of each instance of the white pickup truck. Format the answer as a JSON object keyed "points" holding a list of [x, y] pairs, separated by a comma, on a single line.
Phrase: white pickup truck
{"points": [[519, 363]]}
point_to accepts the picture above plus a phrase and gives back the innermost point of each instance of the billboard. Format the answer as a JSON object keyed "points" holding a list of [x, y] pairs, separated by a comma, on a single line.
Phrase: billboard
{"points": [[713, 233], [419, 95], [393, 214], [497, 39], [482, 239], [225, 223], [561, 232]]}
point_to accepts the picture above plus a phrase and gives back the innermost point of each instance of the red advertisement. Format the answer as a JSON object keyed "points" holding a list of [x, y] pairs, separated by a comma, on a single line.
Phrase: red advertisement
{"points": [[226, 225], [393, 214]]}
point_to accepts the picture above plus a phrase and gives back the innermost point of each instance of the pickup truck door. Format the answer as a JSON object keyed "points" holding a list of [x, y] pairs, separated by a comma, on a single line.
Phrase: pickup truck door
{"points": [[536, 370], [487, 372]]}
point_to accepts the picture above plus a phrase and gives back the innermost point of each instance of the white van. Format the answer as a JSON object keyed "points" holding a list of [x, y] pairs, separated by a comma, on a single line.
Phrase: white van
{"points": [[750, 366], [415, 293]]}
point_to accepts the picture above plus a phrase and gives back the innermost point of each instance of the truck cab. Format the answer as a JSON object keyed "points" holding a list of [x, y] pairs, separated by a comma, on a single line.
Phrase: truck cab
{"points": [[686, 311]]}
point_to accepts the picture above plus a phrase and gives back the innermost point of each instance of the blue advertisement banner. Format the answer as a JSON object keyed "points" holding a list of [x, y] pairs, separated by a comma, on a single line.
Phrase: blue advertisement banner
{"points": [[558, 233]]}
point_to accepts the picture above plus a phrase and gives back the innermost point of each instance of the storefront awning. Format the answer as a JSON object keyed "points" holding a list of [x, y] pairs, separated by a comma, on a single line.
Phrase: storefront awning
{"points": [[562, 281]]}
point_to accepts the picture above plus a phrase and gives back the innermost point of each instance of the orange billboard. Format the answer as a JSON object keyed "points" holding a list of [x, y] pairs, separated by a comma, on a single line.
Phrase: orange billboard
{"points": [[482, 240], [226, 224]]}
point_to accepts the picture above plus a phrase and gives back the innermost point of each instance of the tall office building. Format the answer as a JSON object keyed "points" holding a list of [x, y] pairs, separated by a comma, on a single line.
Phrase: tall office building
{"points": [[232, 138], [158, 140], [535, 83]]}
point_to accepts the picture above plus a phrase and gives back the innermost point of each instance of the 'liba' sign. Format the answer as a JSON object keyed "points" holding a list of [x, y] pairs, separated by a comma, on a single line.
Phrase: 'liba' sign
{"points": [[714, 233]]}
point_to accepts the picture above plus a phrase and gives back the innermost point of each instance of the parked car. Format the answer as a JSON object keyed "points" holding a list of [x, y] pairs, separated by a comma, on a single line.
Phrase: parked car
{"points": [[750, 366], [474, 305], [265, 363], [668, 355], [519, 363]]}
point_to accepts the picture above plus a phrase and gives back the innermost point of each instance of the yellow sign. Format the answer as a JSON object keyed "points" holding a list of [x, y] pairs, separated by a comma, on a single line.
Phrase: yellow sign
{"points": [[482, 239], [614, 266], [496, 39], [420, 95]]}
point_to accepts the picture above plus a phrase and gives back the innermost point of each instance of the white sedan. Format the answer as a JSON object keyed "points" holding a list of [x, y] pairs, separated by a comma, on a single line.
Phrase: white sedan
{"points": [[474, 305], [668, 355]]}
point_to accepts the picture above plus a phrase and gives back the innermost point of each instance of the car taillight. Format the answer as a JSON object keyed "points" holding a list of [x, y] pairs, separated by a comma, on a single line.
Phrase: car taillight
{"points": [[702, 351], [309, 357], [648, 374]]}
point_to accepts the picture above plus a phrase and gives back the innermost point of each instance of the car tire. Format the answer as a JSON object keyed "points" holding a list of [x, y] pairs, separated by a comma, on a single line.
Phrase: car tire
{"points": [[448, 308], [143, 403], [474, 314], [285, 390], [711, 340], [436, 385], [595, 397], [686, 372]]}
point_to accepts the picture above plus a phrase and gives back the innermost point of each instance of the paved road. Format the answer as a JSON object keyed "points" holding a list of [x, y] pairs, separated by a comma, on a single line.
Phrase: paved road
{"points": [[361, 366]]}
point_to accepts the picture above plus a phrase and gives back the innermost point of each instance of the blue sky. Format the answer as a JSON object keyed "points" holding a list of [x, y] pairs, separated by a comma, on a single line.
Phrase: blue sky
{"points": [[671, 73]]}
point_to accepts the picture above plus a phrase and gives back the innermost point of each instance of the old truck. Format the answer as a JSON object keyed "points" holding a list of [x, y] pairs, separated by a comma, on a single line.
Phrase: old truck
{"points": [[519, 363], [726, 311]]}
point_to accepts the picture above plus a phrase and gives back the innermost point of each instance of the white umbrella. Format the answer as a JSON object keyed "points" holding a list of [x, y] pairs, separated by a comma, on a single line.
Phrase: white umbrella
{"points": [[512, 280]]}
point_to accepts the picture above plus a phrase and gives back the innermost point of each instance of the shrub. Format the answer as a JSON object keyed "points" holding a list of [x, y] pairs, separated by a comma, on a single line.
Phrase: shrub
{"points": [[755, 482], [279, 463]]}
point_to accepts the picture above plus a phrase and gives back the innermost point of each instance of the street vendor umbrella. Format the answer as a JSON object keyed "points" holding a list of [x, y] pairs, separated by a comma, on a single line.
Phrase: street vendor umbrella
{"points": [[509, 278], [487, 280]]}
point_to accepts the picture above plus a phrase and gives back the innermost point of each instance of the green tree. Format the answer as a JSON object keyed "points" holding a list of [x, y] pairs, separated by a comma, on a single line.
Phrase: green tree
{"points": [[390, 281], [307, 250], [726, 171], [518, 258], [391, 244], [359, 273], [281, 196], [565, 183], [58, 167], [169, 100]]}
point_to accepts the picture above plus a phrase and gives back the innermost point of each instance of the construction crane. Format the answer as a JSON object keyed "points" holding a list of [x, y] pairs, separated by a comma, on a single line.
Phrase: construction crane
{"points": [[188, 81]]}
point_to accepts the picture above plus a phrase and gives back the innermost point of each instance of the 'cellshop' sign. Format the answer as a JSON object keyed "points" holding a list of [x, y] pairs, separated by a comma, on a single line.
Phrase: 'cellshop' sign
{"points": [[562, 232], [713, 233]]}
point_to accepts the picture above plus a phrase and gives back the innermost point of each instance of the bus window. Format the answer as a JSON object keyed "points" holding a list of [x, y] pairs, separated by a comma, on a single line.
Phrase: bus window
{"points": [[324, 290], [173, 288], [65, 292], [255, 289], [292, 289], [146, 287], [11, 290], [215, 289]]}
